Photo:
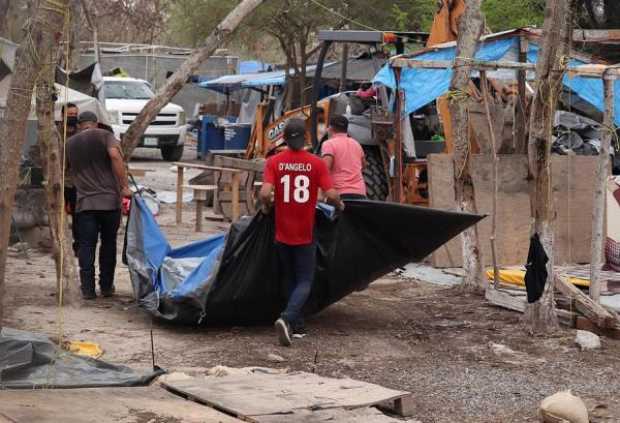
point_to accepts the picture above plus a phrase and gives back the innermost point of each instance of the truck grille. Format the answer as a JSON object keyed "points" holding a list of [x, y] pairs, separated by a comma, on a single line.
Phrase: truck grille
{"points": [[162, 119]]}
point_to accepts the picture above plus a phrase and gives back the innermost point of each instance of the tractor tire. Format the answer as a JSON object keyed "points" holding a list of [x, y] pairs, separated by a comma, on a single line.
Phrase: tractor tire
{"points": [[375, 175], [172, 153]]}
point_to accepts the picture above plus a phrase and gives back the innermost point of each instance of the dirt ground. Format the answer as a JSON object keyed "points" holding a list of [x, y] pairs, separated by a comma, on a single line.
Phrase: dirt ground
{"points": [[432, 341]]}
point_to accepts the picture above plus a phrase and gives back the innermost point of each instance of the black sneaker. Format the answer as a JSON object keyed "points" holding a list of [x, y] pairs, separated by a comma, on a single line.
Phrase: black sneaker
{"points": [[107, 293], [284, 332], [87, 295]]}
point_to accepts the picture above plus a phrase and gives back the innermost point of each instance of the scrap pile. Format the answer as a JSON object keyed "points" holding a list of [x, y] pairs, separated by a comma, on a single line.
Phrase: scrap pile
{"points": [[575, 309]]}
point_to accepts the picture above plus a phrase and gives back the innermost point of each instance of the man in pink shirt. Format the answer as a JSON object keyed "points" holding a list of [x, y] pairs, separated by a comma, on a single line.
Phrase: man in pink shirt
{"points": [[344, 158]]}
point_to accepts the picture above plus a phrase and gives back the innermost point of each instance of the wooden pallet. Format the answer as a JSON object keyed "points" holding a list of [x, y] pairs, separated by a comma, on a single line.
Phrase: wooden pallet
{"points": [[267, 397]]}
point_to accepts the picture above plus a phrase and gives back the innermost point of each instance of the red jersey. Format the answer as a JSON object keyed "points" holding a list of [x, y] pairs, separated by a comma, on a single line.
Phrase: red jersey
{"points": [[296, 177]]}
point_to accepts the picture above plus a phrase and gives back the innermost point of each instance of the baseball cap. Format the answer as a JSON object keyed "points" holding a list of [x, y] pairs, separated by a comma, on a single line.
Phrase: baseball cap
{"points": [[295, 130], [87, 117]]}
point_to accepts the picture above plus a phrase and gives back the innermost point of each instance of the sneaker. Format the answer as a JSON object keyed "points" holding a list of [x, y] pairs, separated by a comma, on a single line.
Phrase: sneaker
{"points": [[283, 330], [299, 332], [89, 295], [108, 292]]}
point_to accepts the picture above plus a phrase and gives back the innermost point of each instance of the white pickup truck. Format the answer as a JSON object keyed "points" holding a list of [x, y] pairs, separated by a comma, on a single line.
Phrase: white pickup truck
{"points": [[126, 97]]}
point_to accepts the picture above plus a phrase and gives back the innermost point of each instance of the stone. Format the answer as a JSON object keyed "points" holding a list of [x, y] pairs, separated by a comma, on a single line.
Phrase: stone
{"points": [[587, 340], [274, 358], [563, 407]]}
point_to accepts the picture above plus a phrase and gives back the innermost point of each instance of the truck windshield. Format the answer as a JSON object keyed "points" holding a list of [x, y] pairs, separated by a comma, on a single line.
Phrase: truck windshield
{"points": [[133, 90]]}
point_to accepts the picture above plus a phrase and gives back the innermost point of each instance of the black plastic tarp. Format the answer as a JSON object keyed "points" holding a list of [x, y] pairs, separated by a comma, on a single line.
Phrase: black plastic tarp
{"points": [[369, 240], [32, 361]]}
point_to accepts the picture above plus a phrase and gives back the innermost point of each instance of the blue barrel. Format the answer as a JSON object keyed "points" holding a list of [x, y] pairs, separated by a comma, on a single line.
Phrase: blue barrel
{"points": [[237, 135], [206, 122], [215, 138]]}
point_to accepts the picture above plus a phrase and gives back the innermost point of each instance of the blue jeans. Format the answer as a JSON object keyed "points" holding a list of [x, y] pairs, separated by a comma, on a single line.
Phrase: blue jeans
{"points": [[297, 263], [92, 226]]}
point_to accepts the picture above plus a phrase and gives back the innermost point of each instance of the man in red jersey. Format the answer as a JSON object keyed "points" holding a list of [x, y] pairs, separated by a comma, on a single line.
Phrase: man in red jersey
{"points": [[294, 177]]}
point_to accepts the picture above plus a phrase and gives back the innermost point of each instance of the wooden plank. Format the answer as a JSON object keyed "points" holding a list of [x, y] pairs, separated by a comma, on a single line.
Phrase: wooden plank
{"points": [[243, 164], [179, 205], [104, 405], [506, 299], [337, 415], [596, 313], [260, 394], [441, 196], [235, 197], [206, 167], [573, 179]]}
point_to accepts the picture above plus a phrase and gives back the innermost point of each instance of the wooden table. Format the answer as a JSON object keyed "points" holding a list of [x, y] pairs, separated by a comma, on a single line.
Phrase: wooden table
{"points": [[138, 172], [235, 178]]}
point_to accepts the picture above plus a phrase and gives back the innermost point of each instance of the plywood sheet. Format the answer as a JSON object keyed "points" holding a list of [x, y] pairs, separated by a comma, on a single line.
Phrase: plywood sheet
{"points": [[365, 415], [104, 405], [573, 181], [441, 196], [261, 394]]}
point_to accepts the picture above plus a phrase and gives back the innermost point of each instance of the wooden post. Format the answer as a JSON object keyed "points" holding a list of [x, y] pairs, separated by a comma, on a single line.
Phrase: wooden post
{"points": [[484, 83], [236, 179], [44, 35], [397, 181], [470, 29], [600, 190], [521, 105], [180, 172], [345, 62], [550, 70]]}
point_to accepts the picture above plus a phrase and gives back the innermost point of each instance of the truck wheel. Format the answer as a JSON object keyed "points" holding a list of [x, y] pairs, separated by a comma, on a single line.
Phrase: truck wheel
{"points": [[375, 175], [172, 153]]}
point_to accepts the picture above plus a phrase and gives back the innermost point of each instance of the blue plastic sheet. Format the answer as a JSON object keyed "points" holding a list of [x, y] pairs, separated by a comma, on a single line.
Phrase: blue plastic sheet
{"points": [[422, 86], [589, 89], [159, 278]]}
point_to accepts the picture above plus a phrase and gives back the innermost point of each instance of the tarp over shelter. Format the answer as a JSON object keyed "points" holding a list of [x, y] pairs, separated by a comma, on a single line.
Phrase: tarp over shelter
{"points": [[235, 279], [422, 86], [229, 83]]}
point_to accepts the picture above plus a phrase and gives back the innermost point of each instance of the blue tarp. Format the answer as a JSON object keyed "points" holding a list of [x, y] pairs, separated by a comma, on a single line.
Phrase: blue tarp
{"points": [[182, 282], [252, 66], [588, 89], [422, 86], [229, 83]]}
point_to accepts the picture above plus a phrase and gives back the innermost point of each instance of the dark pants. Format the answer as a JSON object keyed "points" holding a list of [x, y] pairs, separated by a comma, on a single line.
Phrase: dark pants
{"points": [[71, 200], [352, 197], [297, 263], [92, 226]]}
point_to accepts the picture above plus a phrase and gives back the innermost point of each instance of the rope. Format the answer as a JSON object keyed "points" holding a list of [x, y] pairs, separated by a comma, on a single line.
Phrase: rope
{"points": [[61, 223]]}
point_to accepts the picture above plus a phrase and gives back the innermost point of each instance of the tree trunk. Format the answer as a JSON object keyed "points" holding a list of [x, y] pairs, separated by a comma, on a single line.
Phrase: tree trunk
{"points": [[43, 35], [470, 29], [4, 12], [550, 68], [52, 158], [74, 35], [600, 190], [302, 72], [219, 36]]}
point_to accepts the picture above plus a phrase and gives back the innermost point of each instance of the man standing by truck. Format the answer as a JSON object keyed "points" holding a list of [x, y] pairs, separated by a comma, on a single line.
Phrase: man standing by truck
{"points": [[294, 177], [345, 160], [96, 165]]}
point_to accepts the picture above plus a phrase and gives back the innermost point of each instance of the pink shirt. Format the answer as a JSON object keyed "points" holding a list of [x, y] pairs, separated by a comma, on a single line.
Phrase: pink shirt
{"points": [[348, 157]]}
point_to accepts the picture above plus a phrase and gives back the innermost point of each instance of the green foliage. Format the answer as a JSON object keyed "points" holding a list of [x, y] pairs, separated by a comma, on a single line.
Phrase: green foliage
{"points": [[191, 21], [506, 14]]}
